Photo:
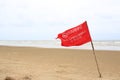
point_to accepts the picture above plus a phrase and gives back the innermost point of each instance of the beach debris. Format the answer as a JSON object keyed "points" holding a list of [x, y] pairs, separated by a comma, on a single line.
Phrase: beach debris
{"points": [[9, 78]]}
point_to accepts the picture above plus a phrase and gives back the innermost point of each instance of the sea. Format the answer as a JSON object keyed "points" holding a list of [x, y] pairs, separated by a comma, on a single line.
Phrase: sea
{"points": [[98, 45]]}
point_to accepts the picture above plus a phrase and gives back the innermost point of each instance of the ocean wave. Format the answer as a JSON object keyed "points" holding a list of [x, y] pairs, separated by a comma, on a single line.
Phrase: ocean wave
{"points": [[99, 45]]}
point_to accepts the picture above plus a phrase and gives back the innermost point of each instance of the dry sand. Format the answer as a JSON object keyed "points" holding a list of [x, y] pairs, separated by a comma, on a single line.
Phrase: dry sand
{"points": [[26, 63]]}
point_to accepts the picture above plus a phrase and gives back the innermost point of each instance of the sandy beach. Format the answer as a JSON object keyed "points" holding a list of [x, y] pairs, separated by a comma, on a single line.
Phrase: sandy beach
{"points": [[28, 63]]}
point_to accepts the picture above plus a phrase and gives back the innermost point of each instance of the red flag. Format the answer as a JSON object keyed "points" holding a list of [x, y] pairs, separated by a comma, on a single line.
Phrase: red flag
{"points": [[75, 36]]}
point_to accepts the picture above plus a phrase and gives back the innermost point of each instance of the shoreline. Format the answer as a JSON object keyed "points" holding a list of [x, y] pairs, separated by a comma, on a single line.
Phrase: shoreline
{"points": [[99, 45], [67, 48]]}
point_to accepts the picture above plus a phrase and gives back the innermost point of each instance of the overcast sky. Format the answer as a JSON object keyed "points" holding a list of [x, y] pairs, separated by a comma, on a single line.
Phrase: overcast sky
{"points": [[44, 19]]}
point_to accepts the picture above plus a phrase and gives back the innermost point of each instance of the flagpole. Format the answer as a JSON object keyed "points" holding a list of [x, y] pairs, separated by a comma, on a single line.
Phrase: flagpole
{"points": [[98, 69]]}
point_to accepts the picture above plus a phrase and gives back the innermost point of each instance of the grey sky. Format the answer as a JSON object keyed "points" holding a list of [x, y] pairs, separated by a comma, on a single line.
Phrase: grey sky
{"points": [[44, 19]]}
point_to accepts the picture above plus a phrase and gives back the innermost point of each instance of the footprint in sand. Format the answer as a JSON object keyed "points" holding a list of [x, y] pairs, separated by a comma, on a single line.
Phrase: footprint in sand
{"points": [[61, 72], [62, 69], [9, 78], [63, 78], [24, 78]]}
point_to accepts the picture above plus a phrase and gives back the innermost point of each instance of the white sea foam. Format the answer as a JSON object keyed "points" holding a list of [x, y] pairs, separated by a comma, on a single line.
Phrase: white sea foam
{"points": [[99, 45]]}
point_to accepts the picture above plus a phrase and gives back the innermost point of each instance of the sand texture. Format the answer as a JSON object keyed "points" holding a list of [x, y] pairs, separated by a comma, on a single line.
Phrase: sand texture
{"points": [[27, 63]]}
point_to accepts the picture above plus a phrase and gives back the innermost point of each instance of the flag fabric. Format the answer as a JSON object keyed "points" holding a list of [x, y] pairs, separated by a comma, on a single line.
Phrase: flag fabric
{"points": [[75, 36]]}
